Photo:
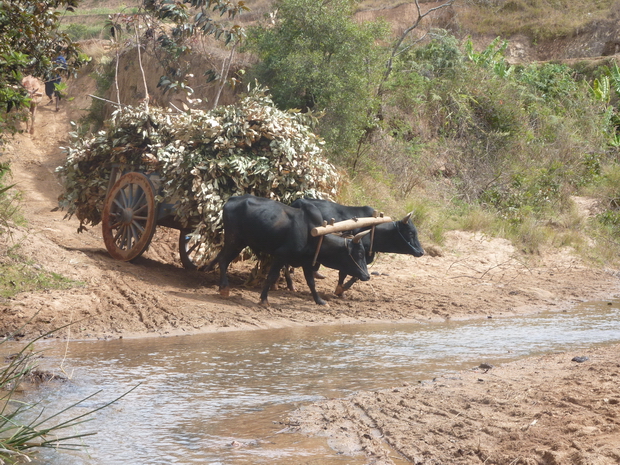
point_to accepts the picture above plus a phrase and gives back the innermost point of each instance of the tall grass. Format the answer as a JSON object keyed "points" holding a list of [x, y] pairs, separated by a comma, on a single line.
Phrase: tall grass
{"points": [[539, 19]]}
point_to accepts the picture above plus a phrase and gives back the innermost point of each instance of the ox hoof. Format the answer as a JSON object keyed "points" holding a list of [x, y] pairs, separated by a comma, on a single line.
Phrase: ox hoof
{"points": [[264, 303], [225, 292], [339, 291]]}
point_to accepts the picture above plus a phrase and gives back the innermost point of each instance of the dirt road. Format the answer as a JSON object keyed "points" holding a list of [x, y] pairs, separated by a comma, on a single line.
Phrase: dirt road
{"points": [[464, 420]]}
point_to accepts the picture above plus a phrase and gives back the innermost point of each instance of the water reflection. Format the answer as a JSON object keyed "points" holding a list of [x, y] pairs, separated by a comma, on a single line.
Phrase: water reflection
{"points": [[213, 399]]}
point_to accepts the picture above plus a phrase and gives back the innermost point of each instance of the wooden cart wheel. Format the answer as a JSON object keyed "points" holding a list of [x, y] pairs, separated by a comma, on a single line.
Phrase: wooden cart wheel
{"points": [[129, 217], [188, 247]]}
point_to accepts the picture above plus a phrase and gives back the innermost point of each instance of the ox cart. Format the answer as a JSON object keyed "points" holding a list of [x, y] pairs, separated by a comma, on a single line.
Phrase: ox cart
{"points": [[131, 214]]}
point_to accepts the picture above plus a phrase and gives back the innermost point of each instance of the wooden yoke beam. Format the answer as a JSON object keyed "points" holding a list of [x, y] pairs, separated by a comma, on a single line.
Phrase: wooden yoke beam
{"points": [[348, 225]]}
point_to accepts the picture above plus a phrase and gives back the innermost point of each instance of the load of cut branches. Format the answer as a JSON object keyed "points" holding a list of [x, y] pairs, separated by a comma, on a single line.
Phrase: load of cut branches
{"points": [[203, 158]]}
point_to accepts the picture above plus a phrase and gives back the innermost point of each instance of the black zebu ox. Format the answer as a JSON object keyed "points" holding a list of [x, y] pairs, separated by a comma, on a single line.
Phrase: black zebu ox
{"points": [[284, 232], [400, 236]]}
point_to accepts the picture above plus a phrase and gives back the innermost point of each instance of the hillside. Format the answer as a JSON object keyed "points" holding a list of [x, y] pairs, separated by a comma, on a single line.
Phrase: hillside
{"points": [[536, 31]]}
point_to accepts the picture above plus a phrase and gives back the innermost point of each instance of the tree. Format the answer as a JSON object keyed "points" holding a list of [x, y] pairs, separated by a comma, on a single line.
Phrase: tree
{"points": [[397, 47], [30, 40], [317, 57], [192, 18], [170, 31]]}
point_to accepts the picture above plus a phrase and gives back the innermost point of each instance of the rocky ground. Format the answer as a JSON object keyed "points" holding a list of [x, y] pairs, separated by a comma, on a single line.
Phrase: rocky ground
{"points": [[546, 410]]}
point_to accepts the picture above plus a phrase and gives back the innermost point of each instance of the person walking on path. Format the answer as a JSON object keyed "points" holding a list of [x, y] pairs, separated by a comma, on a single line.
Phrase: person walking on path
{"points": [[53, 79]]}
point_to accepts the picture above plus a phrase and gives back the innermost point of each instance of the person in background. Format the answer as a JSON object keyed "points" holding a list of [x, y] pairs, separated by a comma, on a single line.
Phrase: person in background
{"points": [[55, 78]]}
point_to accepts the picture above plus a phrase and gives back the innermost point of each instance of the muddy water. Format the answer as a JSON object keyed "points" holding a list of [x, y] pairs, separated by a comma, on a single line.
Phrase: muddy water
{"points": [[220, 398]]}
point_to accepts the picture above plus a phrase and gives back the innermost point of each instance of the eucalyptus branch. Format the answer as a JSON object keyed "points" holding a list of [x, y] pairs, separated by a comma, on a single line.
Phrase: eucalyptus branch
{"points": [[118, 93]]}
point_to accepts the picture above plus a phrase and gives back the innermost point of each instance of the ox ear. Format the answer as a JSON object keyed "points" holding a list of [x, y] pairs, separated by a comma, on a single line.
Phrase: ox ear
{"points": [[406, 219], [358, 236]]}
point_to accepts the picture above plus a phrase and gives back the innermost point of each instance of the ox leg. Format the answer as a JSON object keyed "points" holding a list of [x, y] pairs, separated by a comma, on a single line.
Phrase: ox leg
{"points": [[340, 288], [288, 272], [272, 277], [318, 275], [309, 275], [350, 283], [223, 259]]}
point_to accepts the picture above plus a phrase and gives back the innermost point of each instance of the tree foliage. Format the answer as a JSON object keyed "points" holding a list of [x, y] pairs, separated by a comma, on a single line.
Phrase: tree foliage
{"points": [[30, 40], [316, 57], [172, 29], [191, 17]]}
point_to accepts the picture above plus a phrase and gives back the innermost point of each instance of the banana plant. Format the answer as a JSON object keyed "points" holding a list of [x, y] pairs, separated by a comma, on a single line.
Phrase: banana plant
{"points": [[614, 73], [600, 90]]}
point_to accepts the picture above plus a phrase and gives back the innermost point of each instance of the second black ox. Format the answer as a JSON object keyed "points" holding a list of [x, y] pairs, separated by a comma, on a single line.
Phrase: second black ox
{"points": [[282, 231], [400, 236]]}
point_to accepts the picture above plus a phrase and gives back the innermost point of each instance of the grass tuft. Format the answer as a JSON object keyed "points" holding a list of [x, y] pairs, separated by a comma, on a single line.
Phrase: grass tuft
{"points": [[21, 438]]}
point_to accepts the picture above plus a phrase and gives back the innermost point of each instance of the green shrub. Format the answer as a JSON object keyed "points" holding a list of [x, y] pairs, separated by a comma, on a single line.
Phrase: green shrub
{"points": [[317, 57], [77, 31], [518, 141], [441, 57], [550, 81]]}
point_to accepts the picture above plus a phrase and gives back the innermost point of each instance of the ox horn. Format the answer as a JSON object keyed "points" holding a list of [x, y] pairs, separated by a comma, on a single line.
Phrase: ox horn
{"points": [[407, 217], [358, 236]]}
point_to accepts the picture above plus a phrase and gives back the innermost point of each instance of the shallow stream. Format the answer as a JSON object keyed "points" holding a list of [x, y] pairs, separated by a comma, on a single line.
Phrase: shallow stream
{"points": [[221, 398]]}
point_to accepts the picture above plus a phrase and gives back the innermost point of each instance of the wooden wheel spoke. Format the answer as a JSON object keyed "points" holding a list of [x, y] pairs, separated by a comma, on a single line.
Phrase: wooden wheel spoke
{"points": [[141, 209], [130, 237], [118, 203], [127, 238], [123, 198], [120, 242], [115, 221], [129, 192], [188, 245], [116, 236], [138, 226], [135, 233], [137, 229], [192, 248], [139, 201]]}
